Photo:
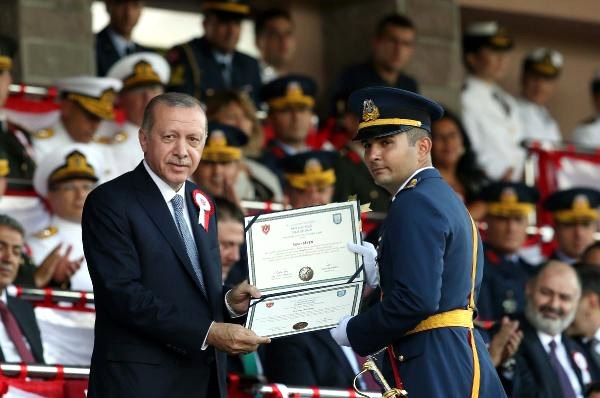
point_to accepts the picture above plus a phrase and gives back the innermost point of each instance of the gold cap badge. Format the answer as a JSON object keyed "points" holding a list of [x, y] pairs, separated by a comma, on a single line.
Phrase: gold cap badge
{"points": [[370, 111]]}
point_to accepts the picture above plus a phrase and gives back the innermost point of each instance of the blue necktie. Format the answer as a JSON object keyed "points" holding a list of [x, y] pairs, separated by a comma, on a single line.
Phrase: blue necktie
{"points": [[188, 240], [563, 379]]}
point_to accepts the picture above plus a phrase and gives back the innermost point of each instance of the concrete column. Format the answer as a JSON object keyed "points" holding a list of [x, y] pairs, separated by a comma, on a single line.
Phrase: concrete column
{"points": [[55, 38]]}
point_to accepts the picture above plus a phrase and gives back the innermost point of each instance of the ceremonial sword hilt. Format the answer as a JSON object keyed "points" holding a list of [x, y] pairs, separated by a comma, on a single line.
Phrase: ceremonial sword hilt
{"points": [[388, 392]]}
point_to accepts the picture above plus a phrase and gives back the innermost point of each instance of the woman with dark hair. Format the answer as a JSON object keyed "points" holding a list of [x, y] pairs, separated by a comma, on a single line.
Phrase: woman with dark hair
{"points": [[455, 159]]}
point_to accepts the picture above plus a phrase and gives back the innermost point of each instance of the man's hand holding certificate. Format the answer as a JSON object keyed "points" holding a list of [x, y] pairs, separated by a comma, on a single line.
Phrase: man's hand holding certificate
{"points": [[300, 261]]}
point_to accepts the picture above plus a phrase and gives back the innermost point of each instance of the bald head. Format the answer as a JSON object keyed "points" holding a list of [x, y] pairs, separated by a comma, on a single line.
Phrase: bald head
{"points": [[552, 298]]}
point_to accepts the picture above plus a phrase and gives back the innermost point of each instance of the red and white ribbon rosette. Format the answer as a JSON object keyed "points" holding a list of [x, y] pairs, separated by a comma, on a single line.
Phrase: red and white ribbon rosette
{"points": [[205, 208]]}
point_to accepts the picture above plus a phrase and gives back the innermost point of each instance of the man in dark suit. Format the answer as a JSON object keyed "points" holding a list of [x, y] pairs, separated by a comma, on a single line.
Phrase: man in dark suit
{"points": [[211, 63], [150, 239], [430, 259], [392, 49], [114, 41], [20, 339], [549, 364]]}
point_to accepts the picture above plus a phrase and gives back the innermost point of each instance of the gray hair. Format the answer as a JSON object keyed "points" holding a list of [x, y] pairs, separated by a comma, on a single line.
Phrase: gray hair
{"points": [[172, 100], [9, 222]]}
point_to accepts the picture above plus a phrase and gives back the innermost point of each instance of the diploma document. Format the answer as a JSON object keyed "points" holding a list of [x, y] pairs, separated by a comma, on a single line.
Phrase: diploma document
{"points": [[300, 262]]}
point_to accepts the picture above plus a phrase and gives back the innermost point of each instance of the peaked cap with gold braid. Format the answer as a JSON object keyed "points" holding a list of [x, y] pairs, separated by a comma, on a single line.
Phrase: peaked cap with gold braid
{"points": [[386, 111], [224, 143], [506, 199], [310, 168], [574, 204]]}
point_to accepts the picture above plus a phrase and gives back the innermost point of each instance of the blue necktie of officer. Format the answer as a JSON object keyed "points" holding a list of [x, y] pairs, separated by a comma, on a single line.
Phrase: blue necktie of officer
{"points": [[188, 240]]}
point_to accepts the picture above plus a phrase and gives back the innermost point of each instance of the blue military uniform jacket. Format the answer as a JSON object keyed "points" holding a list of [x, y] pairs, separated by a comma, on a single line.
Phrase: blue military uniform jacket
{"points": [[425, 260], [195, 71], [503, 286]]}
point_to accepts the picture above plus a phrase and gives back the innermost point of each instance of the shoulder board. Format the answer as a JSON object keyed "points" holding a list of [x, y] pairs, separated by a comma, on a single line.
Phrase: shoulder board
{"points": [[46, 233], [411, 184], [103, 140], [120, 136], [44, 133]]}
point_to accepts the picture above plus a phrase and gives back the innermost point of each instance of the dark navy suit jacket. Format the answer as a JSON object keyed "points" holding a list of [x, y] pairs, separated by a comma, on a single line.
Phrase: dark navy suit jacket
{"points": [[425, 263], [151, 314], [534, 376]]}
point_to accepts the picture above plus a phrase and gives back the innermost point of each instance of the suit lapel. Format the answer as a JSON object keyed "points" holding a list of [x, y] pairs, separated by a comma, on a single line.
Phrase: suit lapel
{"points": [[153, 203], [541, 357], [571, 352], [210, 271]]}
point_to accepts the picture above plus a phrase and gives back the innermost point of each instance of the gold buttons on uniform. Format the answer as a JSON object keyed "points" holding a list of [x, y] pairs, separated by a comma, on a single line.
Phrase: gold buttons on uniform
{"points": [[401, 358]]}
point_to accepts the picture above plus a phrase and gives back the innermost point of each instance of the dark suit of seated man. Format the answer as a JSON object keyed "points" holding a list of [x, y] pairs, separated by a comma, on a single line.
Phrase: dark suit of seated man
{"points": [[150, 239], [549, 364], [20, 339]]}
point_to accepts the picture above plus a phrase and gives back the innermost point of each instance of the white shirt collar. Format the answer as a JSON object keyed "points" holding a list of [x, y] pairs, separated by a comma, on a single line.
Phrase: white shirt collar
{"points": [[166, 191], [223, 58], [4, 297], [545, 338], [121, 44], [409, 178]]}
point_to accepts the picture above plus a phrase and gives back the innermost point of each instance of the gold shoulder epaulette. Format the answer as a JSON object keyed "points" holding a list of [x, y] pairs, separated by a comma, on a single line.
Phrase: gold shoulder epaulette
{"points": [[46, 232], [103, 140], [119, 137], [44, 133]]}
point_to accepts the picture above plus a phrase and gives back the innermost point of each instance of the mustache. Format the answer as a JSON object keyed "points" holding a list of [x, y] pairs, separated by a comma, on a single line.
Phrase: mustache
{"points": [[179, 161], [546, 309]]}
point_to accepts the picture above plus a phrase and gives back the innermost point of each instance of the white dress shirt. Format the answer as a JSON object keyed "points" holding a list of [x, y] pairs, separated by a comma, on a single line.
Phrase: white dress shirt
{"points": [[538, 124], [563, 358], [168, 194], [8, 347], [495, 132], [121, 44]]}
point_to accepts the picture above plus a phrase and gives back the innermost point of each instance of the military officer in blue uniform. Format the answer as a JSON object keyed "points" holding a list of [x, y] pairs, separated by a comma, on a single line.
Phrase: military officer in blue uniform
{"points": [[505, 273], [575, 214], [430, 259], [290, 100], [211, 63]]}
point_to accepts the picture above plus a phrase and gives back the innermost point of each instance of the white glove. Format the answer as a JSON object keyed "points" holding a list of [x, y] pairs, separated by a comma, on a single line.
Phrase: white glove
{"points": [[367, 250], [339, 332]]}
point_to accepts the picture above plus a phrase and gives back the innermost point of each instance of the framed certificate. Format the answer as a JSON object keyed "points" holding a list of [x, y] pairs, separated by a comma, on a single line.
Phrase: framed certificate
{"points": [[301, 248], [300, 262]]}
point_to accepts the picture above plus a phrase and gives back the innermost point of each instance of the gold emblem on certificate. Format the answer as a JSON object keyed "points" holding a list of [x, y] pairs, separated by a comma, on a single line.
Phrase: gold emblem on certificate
{"points": [[300, 325], [306, 273]]}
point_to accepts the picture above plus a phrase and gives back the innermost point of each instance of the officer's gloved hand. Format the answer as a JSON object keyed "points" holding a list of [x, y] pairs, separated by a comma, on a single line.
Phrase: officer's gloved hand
{"points": [[339, 332], [367, 250]]}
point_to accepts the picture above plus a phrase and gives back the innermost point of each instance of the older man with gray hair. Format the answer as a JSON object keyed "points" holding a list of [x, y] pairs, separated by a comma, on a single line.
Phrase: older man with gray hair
{"points": [[550, 364]]}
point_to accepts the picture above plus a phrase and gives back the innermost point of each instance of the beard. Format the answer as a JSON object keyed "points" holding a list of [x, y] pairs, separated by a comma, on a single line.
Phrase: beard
{"points": [[549, 326]]}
